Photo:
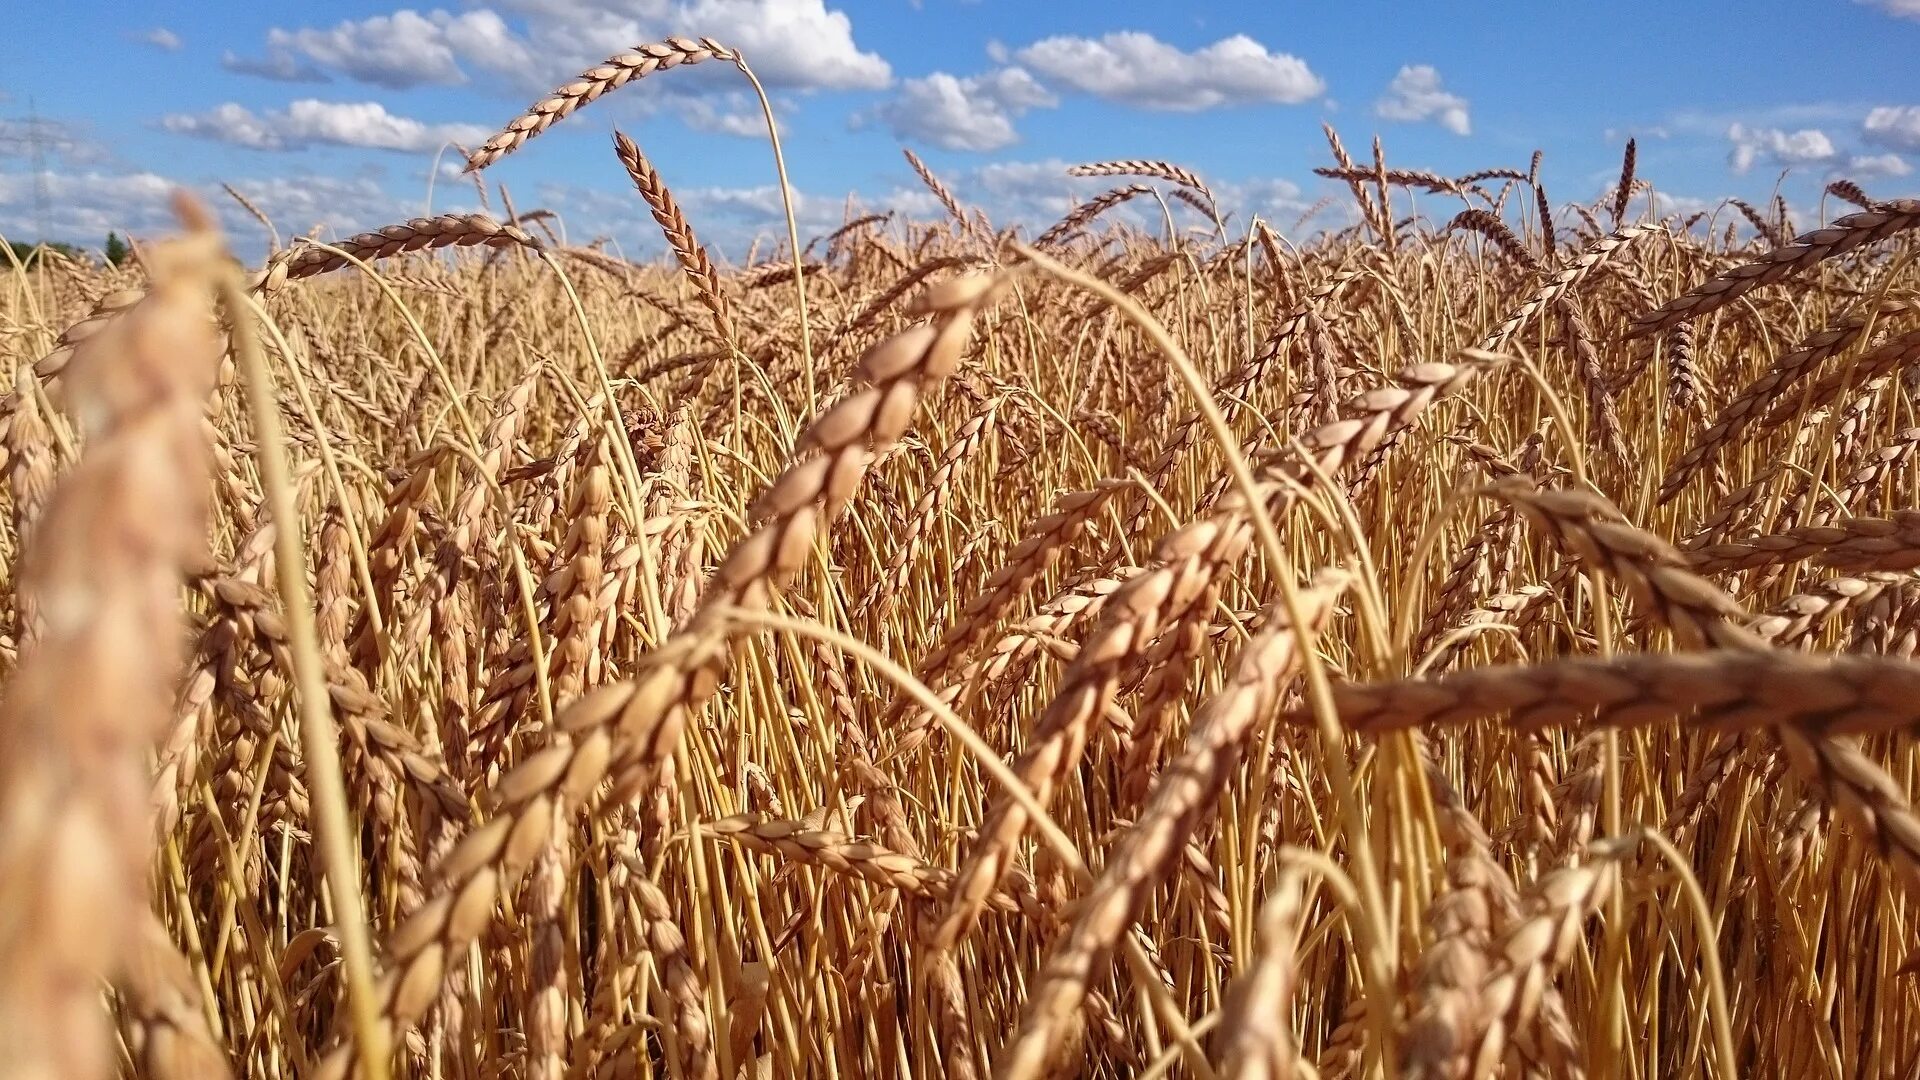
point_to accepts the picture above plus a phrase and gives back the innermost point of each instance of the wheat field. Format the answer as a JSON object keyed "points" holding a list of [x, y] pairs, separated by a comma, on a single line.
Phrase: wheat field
{"points": [[1475, 641]]}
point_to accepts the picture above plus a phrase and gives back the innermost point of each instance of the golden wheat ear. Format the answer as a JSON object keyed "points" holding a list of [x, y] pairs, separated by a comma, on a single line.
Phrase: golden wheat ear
{"points": [[92, 694]]}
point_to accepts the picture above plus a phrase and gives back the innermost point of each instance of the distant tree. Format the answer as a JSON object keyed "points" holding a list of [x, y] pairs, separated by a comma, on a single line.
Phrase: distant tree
{"points": [[29, 254], [117, 250]]}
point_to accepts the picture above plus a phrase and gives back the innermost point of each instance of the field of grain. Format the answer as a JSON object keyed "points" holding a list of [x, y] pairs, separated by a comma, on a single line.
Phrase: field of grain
{"points": [[1474, 642]]}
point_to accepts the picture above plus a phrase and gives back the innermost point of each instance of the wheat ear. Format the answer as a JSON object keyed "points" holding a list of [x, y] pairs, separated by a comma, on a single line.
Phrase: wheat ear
{"points": [[1844, 235], [673, 225], [1186, 562], [1872, 543], [1150, 850], [1257, 1038], [1039, 548], [1159, 170], [625, 732], [418, 234], [1897, 352], [94, 691], [618, 70], [1774, 386]]}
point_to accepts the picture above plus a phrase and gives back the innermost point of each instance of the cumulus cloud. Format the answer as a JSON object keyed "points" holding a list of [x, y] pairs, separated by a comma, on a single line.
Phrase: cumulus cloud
{"points": [[1905, 9], [160, 38], [1139, 69], [1808, 146], [400, 50], [1024, 191], [1035, 194], [1875, 165], [280, 68], [65, 142], [83, 207], [740, 116], [86, 204], [339, 205], [974, 113], [792, 43], [307, 122], [797, 44], [729, 219], [1275, 200], [1415, 94], [1896, 127]]}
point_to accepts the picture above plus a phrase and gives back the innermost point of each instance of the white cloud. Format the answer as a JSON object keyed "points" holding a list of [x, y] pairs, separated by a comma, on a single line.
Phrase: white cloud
{"points": [[1808, 146], [1894, 126], [1033, 193], [308, 122], [280, 67], [1277, 201], [86, 205], [1139, 69], [1905, 9], [726, 219], [83, 207], [160, 38], [1415, 94], [1713, 123], [796, 44], [341, 206], [741, 117], [791, 43], [1662, 204], [1038, 193], [400, 50], [975, 113], [63, 141], [1872, 165]]}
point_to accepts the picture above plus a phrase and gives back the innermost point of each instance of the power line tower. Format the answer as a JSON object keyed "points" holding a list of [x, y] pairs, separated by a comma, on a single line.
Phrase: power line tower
{"points": [[36, 137]]}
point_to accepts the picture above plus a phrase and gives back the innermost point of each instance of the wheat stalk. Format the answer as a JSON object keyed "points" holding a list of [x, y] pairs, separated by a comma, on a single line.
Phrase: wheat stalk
{"points": [[624, 732], [1770, 388]]}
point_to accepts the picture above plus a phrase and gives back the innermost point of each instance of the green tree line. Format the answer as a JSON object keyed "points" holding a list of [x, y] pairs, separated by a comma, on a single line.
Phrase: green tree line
{"points": [[115, 250]]}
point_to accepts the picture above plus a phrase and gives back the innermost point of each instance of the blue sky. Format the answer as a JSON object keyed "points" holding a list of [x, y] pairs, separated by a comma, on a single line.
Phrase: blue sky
{"points": [[331, 114]]}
